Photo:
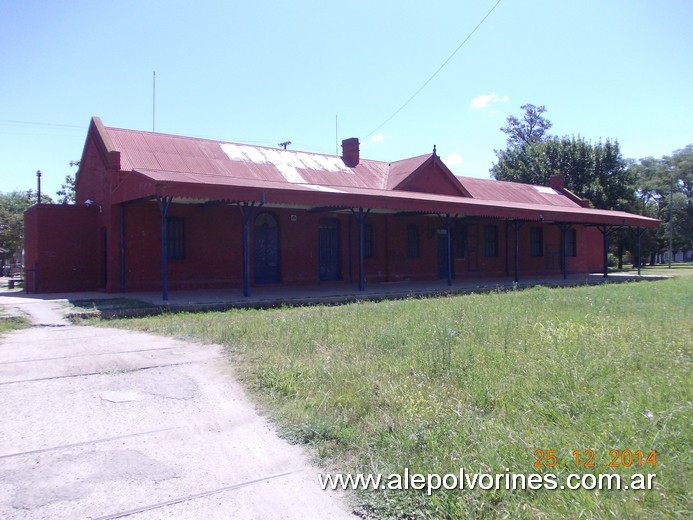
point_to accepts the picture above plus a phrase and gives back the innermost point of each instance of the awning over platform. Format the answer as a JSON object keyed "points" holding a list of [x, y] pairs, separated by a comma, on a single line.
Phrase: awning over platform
{"points": [[184, 187]]}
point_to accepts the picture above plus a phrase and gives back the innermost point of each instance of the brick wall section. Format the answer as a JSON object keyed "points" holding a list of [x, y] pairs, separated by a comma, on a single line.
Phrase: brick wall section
{"points": [[61, 241]]}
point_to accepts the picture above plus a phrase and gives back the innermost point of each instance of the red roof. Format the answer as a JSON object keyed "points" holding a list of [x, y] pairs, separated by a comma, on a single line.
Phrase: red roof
{"points": [[192, 169], [151, 151], [501, 191], [400, 170]]}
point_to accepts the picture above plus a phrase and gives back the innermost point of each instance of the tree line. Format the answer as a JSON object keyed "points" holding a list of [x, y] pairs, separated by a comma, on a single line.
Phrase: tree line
{"points": [[597, 172]]}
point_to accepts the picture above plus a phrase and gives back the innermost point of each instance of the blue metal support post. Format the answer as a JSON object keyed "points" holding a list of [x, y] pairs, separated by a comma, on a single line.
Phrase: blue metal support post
{"points": [[247, 213], [362, 272], [507, 266], [448, 233], [350, 248], [164, 205], [638, 233], [122, 247], [605, 232], [564, 256]]}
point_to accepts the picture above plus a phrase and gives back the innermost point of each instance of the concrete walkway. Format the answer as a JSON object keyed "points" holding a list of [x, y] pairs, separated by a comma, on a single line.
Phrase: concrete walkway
{"points": [[103, 423]]}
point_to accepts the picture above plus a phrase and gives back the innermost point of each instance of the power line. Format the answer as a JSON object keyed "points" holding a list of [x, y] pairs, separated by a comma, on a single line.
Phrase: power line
{"points": [[35, 123], [435, 73], [41, 134]]}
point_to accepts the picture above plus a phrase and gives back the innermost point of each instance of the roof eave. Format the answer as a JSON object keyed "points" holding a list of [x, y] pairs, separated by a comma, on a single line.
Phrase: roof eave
{"points": [[139, 186]]}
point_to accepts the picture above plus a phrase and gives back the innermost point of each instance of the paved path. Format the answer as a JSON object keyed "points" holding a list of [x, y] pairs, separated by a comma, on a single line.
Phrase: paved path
{"points": [[103, 423]]}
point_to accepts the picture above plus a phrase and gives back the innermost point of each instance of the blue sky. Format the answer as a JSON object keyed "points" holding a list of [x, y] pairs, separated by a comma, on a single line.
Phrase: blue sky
{"points": [[262, 72]]}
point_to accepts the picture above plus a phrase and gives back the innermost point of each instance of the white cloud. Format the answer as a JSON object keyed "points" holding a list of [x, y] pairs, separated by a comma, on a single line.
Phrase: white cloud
{"points": [[485, 100], [377, 138], [453, 159]]}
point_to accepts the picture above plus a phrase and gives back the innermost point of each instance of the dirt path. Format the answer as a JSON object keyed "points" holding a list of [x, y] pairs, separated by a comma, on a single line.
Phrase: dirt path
{"points": [[105, 423]]}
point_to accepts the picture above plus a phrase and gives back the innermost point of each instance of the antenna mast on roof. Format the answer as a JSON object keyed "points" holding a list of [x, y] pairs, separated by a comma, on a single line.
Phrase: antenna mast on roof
{"points": [[336, 136], [285, 144], [154, 101], [38, 192]]}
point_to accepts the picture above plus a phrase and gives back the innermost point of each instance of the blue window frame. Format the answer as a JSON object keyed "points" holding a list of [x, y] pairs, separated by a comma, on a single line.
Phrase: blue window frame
{"points": [[175, 237], [536, 242], [490, 241], [571, 242], [368, 241]]}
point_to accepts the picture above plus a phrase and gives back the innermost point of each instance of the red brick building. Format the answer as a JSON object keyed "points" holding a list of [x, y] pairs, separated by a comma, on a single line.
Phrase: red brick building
{"points": [[160, 212]]}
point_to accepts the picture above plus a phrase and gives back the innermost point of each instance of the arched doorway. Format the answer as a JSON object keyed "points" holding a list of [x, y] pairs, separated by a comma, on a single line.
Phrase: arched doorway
{"points": [[267, 266]]}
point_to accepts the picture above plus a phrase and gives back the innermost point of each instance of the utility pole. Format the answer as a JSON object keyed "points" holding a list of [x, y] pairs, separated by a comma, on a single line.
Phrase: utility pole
{"points": [[285, 144]]}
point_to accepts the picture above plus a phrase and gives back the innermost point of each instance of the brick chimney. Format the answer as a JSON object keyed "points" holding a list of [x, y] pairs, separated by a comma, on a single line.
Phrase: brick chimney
{"points": [[350, 151], [557, 182]]}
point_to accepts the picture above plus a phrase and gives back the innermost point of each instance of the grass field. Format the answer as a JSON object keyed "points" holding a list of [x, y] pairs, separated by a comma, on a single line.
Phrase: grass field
{"points": [[478, 382]]}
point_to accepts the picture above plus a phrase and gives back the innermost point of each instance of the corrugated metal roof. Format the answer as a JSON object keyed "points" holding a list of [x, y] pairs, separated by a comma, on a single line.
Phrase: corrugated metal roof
{"points": [[400, 170], [202, 169], [151, 151], [501, 191]]}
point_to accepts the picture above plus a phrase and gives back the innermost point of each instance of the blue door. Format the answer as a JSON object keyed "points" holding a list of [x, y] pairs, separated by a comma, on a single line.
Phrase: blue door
{"points": [[266, 249], [443, 254], [329, 249]]}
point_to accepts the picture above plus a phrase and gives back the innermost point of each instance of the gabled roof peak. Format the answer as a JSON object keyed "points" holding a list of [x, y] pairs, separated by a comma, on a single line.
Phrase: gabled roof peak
{"points": [[426, 174]]}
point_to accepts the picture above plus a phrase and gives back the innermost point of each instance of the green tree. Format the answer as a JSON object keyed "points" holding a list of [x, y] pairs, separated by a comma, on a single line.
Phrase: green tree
{"points": [[524, 163], [66, 193], [665, 192], [682, 166], [597, 172], [12, 208], [11, 230], [528, 129]]}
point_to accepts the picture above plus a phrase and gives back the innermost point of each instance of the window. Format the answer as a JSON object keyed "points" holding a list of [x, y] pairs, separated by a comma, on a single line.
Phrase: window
{"points": [[490, 241], [367, 241], [175, 238], [412, 241], [571, 242], [536, 241], [460, 240]]}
